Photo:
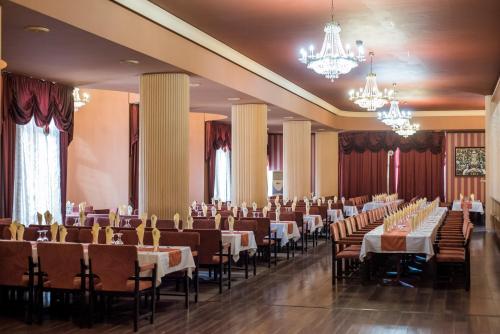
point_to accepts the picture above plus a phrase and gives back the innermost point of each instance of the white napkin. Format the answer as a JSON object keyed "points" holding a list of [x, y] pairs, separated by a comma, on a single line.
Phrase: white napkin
{"points": [[214, 211], [213, 201], [329, 204], [176, 221], [130, 210], [278, 214], [472, 197], [245, 212], [193, 205], [243, 205], [189, 211], [319, 201], [235, 212], [264, 211], [294, 205], [217, 221], [219, 205], [335, 198], [254, 206], [230, 221], [205, 210], [307, 209], [189, 223], [343, 200]]}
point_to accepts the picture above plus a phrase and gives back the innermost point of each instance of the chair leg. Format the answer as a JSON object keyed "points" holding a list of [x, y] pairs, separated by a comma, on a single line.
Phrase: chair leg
{"points": [[220, 277], [153, 305], [229, 273], [275, 252], [136, 311], [196, 283], [186, 294], [269, 255], [255, 264], [30, 306], [246, 264], [288, 250]]}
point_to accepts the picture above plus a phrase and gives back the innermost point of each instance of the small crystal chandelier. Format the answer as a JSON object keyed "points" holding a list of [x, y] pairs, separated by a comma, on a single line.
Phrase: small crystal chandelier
{"points": [[80, 101], [333, 59], [406, 129], [394, 117], [370, 98]]}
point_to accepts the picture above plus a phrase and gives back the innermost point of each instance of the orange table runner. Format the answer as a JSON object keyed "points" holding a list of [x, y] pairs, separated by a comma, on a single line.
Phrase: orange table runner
{"points": [[290, 228], [395, 240], [174, 255], [244, 237]]}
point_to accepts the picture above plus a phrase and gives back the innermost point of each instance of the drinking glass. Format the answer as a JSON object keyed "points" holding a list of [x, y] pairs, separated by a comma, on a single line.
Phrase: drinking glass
{"points": [[127, 223], [118, 240], [40, 238]]}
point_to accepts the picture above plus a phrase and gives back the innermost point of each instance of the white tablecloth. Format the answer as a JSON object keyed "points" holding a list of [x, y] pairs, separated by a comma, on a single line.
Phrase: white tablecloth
{"points": [[234, 239], [477, 206], [335, 215], [419, 241], [375, 205], [149, 257], [350, 210], [282, 231], [314, 222]]}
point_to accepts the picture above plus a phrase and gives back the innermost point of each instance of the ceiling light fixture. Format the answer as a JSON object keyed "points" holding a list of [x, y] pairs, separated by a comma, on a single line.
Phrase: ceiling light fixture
{"points": [[233, 99], [332, 60], [288, 117], [36, 29], [394, 117], [194, 84], [370, 98], [130, 61], [80, 101], [407, 129]]}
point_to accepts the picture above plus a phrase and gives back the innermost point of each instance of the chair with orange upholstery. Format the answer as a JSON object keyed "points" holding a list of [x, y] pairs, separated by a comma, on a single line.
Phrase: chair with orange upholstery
{"points": [[61, 268], [343, 250], [18, 272], [119, 274]]}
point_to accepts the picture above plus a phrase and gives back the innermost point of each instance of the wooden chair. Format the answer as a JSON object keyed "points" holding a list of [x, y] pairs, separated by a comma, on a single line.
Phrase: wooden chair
{"points": [[118, 272], [343, 250], [18, 271]]}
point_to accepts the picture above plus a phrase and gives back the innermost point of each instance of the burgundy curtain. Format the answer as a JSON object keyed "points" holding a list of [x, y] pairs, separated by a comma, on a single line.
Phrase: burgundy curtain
{"points": [[24, 98], [363, 173], [217, 135], [421, 174], [134, 155], [275, 151]]}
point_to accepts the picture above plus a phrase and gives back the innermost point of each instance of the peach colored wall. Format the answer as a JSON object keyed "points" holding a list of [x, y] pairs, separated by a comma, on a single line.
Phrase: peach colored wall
{"points": [[98, 155], [196, 157]]}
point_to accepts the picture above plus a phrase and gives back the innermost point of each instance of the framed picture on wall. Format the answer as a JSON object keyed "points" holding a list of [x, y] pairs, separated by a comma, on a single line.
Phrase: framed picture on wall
{"points": [[470, 161]]}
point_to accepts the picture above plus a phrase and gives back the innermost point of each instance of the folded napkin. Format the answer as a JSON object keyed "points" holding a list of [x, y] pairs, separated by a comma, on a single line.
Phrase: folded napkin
{"points": [[189, 223], [153, 221], [144, 218], [48, 217], [112, 218], [276, 200], [230, 221], [335, 198], [243, 205], [213, 201], [130, 210], [193, 205], [323, 199], [109, 235], [140, 233], [269, 206], [219, 205], [95, 233], [472, 197], [217, 221], [294, 205], [63, 232], [13, 230], [277, 212], [264, 211], [319, 201], [156, 238], [307, 209], [20, 232], [329, 204], [254, 206], [204, 208], [461, 197], [82, 218], [53, 232], [214, 211], [295, 199], [235, 212], [342, 200], [245, 212], [81, 207], [39, 218], [176, 221], [189, 212]]}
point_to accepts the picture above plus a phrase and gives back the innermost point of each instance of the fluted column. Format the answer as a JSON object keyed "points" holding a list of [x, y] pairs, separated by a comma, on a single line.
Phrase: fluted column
{"points": [[163, 144], [249, 153], [296, 159], [327, 163]]}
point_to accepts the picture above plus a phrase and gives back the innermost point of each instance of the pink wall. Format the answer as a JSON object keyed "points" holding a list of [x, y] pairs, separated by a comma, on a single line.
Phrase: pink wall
{"points": [[98, 154], [464, 185], [196, 157]]}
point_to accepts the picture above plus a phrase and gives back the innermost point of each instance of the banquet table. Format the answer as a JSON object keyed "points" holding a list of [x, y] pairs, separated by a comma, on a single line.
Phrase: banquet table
{"points": [[477, 206], [240, 241], [314, 222], [375, 205], [335, 215], [286, 231], [419, 241], [146, 255], [350, 210]]}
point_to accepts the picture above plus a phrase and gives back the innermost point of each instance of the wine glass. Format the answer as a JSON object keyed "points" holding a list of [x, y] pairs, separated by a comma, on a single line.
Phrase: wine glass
{"points": [[77, 222], [118, 240], [127, 223], [40, 237]]}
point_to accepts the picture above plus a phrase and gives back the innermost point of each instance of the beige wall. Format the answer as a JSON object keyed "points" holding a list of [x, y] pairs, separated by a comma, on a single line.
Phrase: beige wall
{"points": [[327, 163], [196, 157], [492, 155], [98, 154]]}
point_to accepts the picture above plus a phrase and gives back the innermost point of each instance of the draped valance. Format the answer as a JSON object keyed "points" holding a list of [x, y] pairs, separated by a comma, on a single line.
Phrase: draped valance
{"points": [[24, 98], [217, 135], [387, 140]]}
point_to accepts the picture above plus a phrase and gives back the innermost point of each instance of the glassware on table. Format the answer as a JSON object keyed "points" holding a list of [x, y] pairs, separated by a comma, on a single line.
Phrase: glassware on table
{"points": [[127, 223], [118, 239], [42, 236], [77, 222]]}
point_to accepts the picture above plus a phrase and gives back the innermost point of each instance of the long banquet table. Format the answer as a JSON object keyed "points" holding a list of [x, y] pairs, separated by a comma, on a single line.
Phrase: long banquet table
{"points": [[240, 241], [476, 206], [419, 241], [286, 231], [375, 205]]}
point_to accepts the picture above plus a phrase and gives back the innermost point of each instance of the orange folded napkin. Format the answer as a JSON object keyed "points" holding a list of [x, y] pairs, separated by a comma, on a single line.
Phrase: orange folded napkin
{"points": [[62, 234], [13, 230], [95, 233], [154, 218], [20, 232], [217, 221], [53, 232]]}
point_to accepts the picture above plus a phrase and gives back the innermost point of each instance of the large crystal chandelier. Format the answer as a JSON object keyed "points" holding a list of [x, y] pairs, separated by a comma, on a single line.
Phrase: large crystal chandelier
{"points": [[394, 117], [80, 101], [406, 129], [370, 98], [333, 59]]}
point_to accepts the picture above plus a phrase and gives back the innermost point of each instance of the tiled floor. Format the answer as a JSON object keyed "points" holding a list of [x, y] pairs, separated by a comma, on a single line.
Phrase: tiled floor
{"points": [[297, 297]]}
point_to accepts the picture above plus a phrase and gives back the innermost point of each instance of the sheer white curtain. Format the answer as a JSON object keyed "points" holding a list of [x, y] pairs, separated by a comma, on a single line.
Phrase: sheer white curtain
{"points": [[37, 180], [222, 182]]}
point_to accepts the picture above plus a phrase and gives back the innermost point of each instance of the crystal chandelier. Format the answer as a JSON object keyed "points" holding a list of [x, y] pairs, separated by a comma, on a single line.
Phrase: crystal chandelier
{"points": [[394, 117], [370, 98], [406, 129], [80, 101], [333, 59]]}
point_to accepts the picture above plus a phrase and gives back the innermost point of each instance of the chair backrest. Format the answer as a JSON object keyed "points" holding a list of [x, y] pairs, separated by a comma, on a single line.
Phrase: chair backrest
{"points": [[245, 225], [204, 224], [85, 236], [101, 211], [210, 241], [262, 229], [130, 237], [167, 224], [72, 235], [102, 221], [190, 239], [134, 222], [114, 265], [61, 262], [14, 261]]}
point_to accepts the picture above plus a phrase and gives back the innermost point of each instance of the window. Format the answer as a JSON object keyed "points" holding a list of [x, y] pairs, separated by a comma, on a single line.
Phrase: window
{"points": [[222, 182], [37, 181]]}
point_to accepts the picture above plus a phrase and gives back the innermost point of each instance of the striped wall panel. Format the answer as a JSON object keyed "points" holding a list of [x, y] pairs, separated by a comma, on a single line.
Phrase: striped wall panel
{"points": [[464, 185]]}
